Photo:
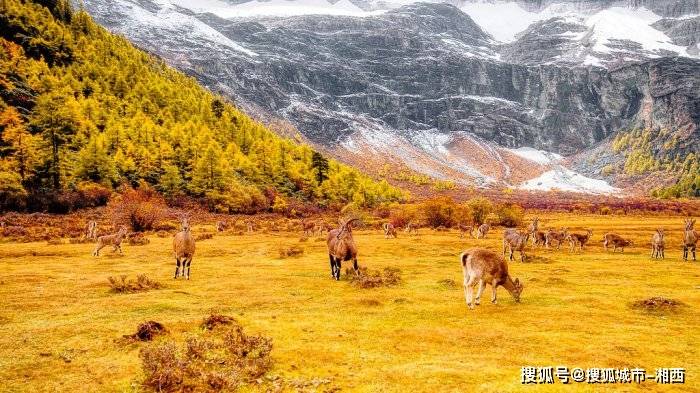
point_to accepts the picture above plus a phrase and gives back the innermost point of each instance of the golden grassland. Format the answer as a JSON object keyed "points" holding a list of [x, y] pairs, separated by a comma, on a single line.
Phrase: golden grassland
{"points": [[60, 323]]}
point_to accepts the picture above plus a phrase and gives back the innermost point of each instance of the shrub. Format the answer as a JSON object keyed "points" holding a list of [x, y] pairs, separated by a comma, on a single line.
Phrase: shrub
{"points": [[509, 215], [137, 239], [13, 196], [220, 360], [146, 331], [140, 209], [92, 195], [390, 276], [204, 236], [439, 212], [125, 285], [479, 209]]}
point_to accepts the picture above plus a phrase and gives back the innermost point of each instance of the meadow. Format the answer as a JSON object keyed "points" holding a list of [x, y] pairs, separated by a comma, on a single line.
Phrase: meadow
{"points": [[61, 324]]}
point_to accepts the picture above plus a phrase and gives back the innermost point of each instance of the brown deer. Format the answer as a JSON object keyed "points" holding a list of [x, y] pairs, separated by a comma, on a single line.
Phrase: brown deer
{"points": [[482, 231], [250, 226], [658, 244], [308, 227], [341, 247], [389, 230], [183, 247], [515, 241], [578, 239], [322, 227], [221, 226], [616, 241], [557, 236], [486, 267], [91, 230], [690, 239], [465, 229], [411, 228], [114, 240]]}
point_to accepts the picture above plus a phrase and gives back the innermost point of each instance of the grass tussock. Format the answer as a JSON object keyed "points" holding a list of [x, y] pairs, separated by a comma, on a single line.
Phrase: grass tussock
{"points": [[658, 304], [147, 331], [125, 285], [291, 252], [220, 360], [370, 302], [448, 283], [388, 277], [137, 239], [55, 242], [214, 320], [204, 236]]}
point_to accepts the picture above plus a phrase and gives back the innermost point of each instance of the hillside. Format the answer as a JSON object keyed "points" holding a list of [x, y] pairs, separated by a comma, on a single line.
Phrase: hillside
{"points": [[454, 90], [82, 111]]}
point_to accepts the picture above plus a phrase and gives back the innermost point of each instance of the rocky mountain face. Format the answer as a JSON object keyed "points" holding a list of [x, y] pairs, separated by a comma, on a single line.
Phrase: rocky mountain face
{"points": [[444, 93]]}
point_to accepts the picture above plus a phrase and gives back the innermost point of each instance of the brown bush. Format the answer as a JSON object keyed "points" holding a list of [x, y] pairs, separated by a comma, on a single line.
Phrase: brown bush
{"points": [[290, 252], [140, 209], [146, 331], [223, 359], [137, 239], [658, 304], [388, 277], [204, 236], [125, 285], [214, 320]]}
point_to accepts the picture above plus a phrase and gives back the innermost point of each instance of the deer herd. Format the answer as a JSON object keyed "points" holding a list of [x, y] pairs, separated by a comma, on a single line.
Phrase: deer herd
{"points": [[480, 266]]}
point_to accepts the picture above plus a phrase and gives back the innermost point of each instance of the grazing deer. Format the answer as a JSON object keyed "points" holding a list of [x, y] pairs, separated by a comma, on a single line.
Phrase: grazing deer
{"points": [[221, 226], [690, 239], [557, 236], [411, 228], [114, 240], [515, 241], [578, 239], [389, 230], [308, 227], [482, 231], [658, 244], [486, 267], [183, 248], [322, 227], [91, 230], [341, 247], [465, 229], [616, 241]]}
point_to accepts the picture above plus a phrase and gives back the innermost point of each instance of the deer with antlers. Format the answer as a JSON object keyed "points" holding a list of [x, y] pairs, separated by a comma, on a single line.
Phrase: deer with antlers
{"points": [[690, 239], [341, 247]]}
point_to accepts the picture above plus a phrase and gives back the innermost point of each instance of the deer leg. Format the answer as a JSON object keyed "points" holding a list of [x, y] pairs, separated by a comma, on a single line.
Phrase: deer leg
{"points": [[177, 268], [356, 267], [189, 262], [694, 253], [479, 291], [332, 265], [494, 288], [337, 269], [468, 291], [522, 256]]}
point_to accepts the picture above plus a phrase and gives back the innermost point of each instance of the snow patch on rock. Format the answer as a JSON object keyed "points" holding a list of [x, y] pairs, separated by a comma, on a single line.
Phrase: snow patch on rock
{"points": [[563, 179]]}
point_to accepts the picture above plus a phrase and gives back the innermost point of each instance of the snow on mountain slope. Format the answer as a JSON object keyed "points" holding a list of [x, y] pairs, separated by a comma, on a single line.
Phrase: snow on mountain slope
{"points": [[563, 179]]}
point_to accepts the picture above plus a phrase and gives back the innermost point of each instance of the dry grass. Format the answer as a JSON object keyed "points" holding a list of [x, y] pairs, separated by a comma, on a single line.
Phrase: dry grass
{"points": [[126, 285], [575, 311], [388, 277], [290, 252]]}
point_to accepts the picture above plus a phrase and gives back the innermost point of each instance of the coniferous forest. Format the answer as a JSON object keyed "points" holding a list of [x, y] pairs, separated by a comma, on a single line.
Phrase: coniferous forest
{"points": [[83, 113]]}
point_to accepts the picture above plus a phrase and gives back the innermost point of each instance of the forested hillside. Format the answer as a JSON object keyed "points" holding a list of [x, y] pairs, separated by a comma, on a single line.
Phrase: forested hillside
{"points": [[82, 112]]}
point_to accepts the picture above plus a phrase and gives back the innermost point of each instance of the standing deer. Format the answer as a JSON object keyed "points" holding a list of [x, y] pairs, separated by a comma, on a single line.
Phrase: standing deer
{"points": [[183, 247], [114, 240], [616, 241], [465, 229], [690, 239], [322, 227], [411, 228], [341, 247], [578, 239], [532, 228], [250, 226], [482, 231], [658, 244], [557, 236], [221, 226], [486, 267], [515, 241], [91, 230], [389, 230]]}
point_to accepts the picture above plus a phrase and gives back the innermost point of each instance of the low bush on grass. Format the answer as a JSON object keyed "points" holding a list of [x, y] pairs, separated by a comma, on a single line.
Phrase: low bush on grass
{"points": [[290, 252], [225, 359], [125, 285], [389, 276]]}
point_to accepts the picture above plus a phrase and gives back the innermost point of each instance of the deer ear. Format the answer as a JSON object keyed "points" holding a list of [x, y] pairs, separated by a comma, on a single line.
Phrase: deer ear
{"points": [[517, 282]]}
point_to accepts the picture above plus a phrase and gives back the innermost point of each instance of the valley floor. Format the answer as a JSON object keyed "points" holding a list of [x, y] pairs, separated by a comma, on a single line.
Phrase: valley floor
{"points": [[60, 323]]}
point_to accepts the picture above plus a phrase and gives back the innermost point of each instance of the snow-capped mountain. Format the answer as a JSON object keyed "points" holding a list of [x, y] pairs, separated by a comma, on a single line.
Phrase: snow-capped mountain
{"points": [[453, 90]]}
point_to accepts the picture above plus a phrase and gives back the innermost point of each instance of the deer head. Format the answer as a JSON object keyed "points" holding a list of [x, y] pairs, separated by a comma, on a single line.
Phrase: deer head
{"points": [[346, 227], [517, 290]]}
